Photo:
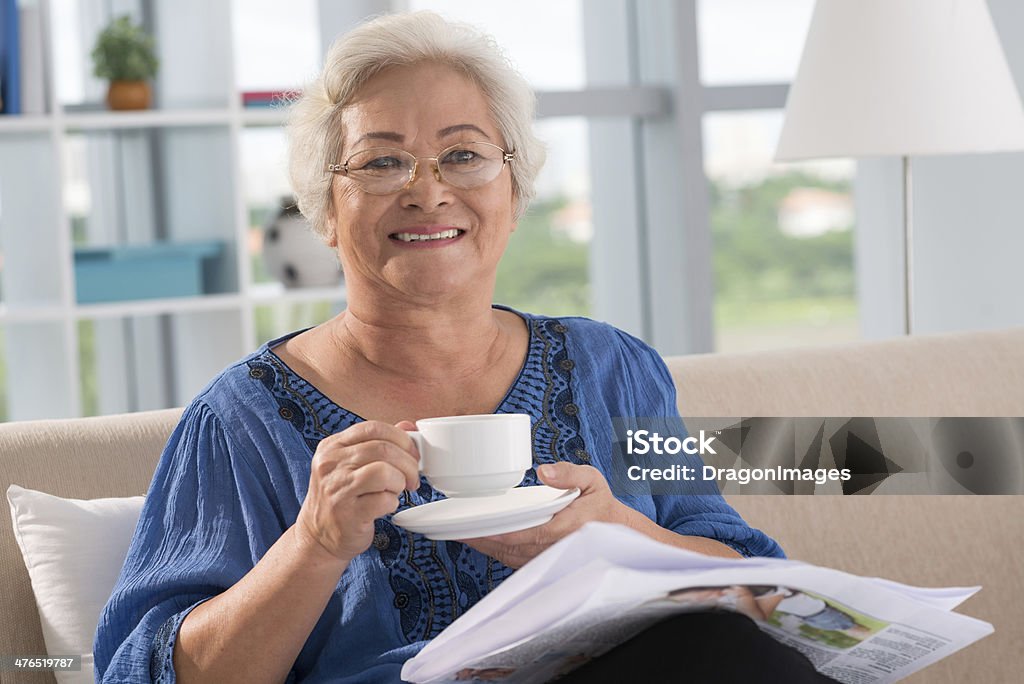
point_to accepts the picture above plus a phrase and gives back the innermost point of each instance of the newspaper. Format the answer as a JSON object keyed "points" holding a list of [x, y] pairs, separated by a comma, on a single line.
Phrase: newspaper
{"points": [[604, 584]]}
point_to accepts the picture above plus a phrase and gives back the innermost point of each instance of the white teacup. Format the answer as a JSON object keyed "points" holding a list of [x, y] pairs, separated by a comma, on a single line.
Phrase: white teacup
{"points": [[485, 455]]}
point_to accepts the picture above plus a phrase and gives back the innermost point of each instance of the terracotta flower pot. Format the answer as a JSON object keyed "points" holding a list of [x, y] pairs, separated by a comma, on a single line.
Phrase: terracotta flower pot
{"points": [[126, 95]]}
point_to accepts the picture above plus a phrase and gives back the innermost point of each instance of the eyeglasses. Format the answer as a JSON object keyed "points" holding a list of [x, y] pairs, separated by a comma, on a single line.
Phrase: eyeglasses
{"points": [[386, 170]]}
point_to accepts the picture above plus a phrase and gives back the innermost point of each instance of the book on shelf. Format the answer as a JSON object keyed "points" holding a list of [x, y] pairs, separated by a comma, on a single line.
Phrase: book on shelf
{"points": [[268, 98], [32, 73], [10, 58], [605, 584], [22, 73]]}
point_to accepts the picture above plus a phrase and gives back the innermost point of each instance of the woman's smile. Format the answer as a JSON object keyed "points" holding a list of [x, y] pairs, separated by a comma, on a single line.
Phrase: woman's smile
{"points": [[427, 237]]}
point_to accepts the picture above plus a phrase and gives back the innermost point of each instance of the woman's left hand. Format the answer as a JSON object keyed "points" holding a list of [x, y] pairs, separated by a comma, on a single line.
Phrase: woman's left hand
{"points": [[595, 502]]}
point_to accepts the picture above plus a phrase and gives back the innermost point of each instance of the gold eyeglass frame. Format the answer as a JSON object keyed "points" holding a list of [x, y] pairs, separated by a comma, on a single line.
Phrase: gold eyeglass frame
{"points": [[343, 169]]}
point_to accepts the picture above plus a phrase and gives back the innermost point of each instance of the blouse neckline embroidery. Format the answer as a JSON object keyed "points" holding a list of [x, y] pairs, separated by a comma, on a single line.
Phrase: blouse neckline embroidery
{"points": [[533, 346]]}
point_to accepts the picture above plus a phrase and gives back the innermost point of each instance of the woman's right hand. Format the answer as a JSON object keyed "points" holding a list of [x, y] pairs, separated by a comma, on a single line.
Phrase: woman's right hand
{"points": [[357, 476]]}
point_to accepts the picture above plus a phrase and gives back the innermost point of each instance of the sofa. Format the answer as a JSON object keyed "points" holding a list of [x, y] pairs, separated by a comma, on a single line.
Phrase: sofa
{"points": [[928, 540]]}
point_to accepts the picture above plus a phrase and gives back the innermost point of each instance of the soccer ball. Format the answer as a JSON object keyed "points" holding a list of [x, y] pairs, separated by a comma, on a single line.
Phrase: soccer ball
{"points": [[294, 254]]}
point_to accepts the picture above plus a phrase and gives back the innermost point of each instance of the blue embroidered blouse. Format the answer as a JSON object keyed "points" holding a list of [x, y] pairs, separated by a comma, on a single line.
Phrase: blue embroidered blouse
{"points": [[234, 474]]}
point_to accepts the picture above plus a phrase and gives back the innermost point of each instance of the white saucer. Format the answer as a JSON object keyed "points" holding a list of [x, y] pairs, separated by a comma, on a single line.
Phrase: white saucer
{"points": [[468, 517]]}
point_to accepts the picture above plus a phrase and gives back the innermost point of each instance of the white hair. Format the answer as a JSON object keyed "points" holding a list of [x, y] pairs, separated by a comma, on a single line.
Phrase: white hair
{"points": [[314, 125]]}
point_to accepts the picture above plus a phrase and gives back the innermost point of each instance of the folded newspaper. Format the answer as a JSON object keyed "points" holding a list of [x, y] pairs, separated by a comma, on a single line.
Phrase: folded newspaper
{"points": [[606, 583]]}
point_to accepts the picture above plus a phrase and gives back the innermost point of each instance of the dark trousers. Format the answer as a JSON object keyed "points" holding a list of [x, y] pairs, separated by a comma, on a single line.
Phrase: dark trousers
{"points": [[714, 647]]}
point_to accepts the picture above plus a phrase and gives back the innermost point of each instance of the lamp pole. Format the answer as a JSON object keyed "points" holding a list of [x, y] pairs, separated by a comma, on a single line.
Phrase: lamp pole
{"points": [[908, 247]]}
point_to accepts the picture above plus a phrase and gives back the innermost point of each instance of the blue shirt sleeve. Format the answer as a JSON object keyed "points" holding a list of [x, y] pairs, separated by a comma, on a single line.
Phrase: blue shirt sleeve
{"points": [[198, 534], [639, 385], [706, 514]]}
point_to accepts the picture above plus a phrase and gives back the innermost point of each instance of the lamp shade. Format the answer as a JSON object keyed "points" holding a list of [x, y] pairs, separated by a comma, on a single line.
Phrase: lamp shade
{"points": [[901, 77]]}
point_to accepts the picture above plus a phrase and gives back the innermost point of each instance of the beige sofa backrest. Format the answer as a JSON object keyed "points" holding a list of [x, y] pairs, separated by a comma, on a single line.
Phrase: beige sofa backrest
{"points": [[921, 539], [963, 374]]}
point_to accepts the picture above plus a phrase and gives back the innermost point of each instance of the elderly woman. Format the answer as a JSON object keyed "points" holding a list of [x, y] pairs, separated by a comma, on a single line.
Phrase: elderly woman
{"points": [[265, 551]]}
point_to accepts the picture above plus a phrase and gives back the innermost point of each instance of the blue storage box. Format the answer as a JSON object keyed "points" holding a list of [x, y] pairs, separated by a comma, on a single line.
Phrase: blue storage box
{"points": [[128, 272]]}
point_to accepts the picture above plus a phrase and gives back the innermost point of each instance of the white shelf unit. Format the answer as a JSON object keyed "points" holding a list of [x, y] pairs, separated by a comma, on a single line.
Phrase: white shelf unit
{"points": [[171, 173]]}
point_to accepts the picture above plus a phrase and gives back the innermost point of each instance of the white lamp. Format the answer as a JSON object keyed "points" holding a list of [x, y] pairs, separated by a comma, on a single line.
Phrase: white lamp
{"points": [[901, 78]]}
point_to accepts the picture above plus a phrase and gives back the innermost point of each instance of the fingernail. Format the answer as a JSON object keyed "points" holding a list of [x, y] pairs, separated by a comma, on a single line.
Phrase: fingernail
{"points": [[546, 471]]}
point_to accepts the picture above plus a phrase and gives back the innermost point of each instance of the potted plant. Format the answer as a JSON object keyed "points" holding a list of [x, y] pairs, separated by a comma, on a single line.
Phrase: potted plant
{"points": [[126, 56]]}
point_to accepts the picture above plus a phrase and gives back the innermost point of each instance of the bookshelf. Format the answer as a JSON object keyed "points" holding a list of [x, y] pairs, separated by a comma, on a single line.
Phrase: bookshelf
{"points": [[79, 176]]}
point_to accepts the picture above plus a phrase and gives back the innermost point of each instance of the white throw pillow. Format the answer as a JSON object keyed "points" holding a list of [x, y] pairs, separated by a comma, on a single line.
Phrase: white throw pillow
{"points": [[74, 550]]}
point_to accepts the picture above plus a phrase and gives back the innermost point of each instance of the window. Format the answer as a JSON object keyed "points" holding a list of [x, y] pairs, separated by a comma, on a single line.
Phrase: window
{"points": [[743, 42], [782, 236], [545, 268], [548, 52], [74, 25], [276, 44]]}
